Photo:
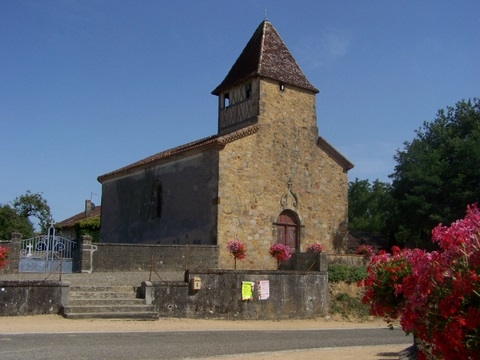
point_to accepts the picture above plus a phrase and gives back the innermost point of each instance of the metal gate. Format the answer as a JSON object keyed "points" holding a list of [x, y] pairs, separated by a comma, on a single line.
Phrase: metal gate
{"points": [[47, 253]]}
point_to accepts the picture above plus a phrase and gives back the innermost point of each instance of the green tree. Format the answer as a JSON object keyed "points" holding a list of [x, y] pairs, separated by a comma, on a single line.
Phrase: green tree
{"points": [[437, 174], [33, 205], [369, 206], [11, 222]]}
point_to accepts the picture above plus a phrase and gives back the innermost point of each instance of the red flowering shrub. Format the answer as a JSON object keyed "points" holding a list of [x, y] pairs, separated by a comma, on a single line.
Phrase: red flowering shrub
{"points": [[3, 257], [436, 295], [366, 250], [315, 248], [383, 284], [280, 252]]}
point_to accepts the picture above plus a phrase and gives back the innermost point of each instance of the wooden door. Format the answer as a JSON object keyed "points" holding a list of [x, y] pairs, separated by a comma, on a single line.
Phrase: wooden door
{"points": [[287, 230]]}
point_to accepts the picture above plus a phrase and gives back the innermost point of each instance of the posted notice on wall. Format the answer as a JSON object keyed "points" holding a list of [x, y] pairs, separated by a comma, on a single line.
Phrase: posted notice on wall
{"points": [[263, 287], [247, 290]]}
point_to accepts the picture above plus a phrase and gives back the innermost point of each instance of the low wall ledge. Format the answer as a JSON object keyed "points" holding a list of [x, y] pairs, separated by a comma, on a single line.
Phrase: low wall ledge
{"points": [[34, 283]]}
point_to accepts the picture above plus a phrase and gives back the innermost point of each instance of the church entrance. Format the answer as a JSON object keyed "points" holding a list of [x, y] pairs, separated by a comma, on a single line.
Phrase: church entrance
{"points": [[287, 230]]}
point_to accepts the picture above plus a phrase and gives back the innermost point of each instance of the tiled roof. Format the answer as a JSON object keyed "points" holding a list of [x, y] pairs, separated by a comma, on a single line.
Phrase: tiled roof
{"points": [[265, 55], [210, 141], [76, 218], [334, 154]]}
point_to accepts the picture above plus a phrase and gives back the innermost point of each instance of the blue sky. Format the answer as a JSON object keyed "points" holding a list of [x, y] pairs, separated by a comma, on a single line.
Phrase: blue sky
{"points": [[89, 86]]}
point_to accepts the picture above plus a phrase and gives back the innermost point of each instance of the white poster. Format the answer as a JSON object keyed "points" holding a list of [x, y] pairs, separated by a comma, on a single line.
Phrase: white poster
{"points": [[263, 289]]}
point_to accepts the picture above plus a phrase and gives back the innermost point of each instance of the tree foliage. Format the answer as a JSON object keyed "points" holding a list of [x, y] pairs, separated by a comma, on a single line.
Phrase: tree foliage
{"points": [[33, 205], [369, 205], [11, 222], [437, 173], [16, 218]]}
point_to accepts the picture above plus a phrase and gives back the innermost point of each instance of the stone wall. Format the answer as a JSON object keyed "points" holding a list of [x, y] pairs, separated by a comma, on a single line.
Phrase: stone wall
{"points": [[169, 203], [139, 257], [32, 297], [292, 295], [347, 259], [255, 172]]}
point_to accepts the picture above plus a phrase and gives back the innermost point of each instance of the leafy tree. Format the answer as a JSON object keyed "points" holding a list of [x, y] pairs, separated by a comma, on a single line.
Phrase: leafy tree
{"points": [[437, 174], [17, 217], [11, 222], [369, 206], [35, 205]]}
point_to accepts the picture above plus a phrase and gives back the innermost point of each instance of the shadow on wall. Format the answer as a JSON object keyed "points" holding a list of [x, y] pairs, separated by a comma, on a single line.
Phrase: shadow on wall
{"points": [[340, 239]]}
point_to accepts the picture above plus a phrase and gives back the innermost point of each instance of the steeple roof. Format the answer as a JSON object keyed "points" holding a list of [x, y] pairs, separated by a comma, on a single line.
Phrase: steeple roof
{"points": [[265, 55]]}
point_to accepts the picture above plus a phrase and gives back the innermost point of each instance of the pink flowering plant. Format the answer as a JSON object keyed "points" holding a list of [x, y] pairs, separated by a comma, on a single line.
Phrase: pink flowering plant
{"points": [[3, 257], [237, 249], [435, 295], [365, 250], [315, 248], [280, 252]]}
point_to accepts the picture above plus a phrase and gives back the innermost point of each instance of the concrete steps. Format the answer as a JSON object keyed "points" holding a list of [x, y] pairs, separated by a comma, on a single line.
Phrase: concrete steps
{"points": [[107, 302]]}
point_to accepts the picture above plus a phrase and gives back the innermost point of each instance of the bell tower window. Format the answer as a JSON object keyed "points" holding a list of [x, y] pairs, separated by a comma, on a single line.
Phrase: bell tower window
{"points": [[248, 91], [226, 100]]}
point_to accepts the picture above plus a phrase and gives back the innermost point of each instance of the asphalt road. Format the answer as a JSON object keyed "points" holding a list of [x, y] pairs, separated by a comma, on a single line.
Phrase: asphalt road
{"points": [[185, 344]]}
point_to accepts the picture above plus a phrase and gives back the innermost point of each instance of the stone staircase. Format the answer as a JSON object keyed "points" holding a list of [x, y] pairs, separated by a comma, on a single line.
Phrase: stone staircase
{"points": [[107, 302]]}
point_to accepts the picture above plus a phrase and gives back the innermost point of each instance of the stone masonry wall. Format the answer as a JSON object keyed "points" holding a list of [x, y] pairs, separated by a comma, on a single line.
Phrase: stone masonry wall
{"points": [[255, 171], [292, 295]]}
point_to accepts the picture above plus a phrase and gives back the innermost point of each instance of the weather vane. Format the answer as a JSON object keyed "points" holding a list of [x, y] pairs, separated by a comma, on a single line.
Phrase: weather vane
{"points": [[266, 17]]}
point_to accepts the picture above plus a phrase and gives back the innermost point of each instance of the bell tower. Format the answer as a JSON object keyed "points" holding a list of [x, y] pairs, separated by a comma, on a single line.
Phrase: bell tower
{"points": [[264, 57]]}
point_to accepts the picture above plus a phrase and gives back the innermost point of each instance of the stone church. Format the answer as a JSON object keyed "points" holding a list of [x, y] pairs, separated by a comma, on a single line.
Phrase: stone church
{"points": [[265, 177]]}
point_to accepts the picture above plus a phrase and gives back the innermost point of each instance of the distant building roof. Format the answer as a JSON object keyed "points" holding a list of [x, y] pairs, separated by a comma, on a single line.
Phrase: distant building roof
{"points": [[265, 55], [71, 221]]}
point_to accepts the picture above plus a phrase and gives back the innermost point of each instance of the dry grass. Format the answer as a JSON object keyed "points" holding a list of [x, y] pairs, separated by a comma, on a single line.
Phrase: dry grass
{"points": [[346, 302]]}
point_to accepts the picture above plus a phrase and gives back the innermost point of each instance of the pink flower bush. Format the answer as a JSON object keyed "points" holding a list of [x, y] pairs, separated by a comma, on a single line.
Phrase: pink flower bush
{"points": [[3, 257], [366, 250], [315, 248], [280, 252], [436, 295], [237, 249]]}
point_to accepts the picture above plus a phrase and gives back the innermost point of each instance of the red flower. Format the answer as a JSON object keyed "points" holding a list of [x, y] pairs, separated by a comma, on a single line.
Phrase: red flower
{"points": [[315, 248], [237, 249], [3, 257], [280, 252]]}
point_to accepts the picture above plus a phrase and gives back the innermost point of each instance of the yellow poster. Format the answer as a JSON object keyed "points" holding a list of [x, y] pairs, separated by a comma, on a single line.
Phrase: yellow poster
{"points": [[247, 290]]}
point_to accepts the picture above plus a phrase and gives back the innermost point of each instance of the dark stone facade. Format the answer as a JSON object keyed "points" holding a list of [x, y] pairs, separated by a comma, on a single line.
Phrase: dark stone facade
{"points": [[168, 203], [134, 257]]}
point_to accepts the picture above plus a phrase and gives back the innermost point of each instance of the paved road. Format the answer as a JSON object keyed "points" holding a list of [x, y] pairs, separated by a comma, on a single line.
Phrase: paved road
{"points": [[184, 344]]}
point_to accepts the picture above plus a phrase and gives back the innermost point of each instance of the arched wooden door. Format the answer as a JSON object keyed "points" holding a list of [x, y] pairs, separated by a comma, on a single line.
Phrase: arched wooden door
{"points": [[287, 230]]}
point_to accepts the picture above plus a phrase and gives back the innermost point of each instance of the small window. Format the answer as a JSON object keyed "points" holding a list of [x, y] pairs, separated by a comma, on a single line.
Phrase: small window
{"points": [[159, 200], [248, 91], [226, 100], [282, 87]]}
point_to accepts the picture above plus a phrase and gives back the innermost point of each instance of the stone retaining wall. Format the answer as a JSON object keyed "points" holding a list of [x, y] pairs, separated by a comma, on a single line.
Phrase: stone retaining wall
{"points": [[32, 297], [347, 259], [291, 295]]}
